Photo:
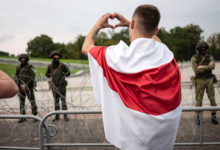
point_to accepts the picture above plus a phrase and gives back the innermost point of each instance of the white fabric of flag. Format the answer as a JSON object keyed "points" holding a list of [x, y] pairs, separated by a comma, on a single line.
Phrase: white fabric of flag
{"points": [[138, 87]]}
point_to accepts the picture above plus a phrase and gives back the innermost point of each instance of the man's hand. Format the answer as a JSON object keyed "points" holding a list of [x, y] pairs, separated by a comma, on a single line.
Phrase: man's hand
{"points": [[90, 38], [123, 22], [100, 24], [8, 87], [211, 63], [103, 22], [23, 87], [199, 67]]}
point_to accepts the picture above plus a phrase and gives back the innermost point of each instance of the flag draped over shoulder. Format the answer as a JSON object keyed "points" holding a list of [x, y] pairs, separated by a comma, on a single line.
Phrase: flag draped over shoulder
{"points": [[139, 90]]}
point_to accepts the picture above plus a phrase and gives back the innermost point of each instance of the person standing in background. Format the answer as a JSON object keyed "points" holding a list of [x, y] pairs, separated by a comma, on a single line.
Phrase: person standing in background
{"points": [[25, 79], [203, 64], [57, 71]]}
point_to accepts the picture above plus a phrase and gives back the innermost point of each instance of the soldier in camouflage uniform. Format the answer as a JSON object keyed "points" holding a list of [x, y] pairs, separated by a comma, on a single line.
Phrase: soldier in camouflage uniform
{"points": [[57, 71], [25, 79], [202, 65]]}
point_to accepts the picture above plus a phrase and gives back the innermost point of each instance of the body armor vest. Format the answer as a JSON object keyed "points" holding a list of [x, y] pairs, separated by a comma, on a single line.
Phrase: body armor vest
{"points": [[206, 61]]}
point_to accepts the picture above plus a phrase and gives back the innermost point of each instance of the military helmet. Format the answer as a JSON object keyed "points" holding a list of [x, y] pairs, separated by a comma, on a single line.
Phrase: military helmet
{"points": [[55, 52], [23, 56], [202, 45]]}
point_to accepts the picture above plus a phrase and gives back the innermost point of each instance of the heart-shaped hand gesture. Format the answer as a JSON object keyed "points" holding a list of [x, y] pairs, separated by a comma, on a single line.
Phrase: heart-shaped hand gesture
{"points": [[123, 22], [103, 21]]}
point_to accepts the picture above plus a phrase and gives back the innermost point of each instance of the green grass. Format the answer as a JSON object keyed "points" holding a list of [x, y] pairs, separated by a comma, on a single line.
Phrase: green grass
{"points": [[40, 71], [10, 70], [8, 57], [74, 61]]}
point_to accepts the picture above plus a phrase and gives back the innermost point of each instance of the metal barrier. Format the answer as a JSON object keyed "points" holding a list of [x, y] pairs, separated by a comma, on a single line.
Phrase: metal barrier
{"points": [[27, 117], [47, 145], [199, 109]]}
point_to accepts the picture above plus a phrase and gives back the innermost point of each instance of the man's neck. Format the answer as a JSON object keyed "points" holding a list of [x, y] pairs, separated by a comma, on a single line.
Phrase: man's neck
{"points": [[136, 34], [139, 36]]}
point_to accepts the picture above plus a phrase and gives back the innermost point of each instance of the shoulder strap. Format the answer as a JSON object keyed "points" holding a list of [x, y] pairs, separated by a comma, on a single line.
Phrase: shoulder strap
{"points": [[203, 58], [55, 70]]}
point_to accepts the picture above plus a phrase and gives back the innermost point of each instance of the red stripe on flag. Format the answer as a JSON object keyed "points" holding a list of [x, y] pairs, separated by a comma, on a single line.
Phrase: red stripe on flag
{"points": [[153, 91]]}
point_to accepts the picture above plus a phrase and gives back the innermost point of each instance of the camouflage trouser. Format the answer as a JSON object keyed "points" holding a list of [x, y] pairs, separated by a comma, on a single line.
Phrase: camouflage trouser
{"points": [[59, 92], [200, 86], [22, 96]]}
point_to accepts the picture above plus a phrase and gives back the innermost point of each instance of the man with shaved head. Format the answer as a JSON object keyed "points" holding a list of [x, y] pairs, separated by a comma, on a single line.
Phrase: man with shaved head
{"points": [[138, 85]]}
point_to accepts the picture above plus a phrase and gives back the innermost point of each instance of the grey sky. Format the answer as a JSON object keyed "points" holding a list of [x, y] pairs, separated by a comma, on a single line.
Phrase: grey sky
{"points": [[63, 20]]}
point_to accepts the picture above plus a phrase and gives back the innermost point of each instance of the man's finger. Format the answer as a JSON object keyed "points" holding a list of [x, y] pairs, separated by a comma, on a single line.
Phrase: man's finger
{"points": [[118, 25], [108, 15], [111, 26], [116, 15]]}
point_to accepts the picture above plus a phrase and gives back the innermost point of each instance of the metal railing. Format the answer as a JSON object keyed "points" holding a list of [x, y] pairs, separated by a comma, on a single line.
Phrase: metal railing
{"points": [[45, 126], [47, 144], [200, 110], [20, 117]]}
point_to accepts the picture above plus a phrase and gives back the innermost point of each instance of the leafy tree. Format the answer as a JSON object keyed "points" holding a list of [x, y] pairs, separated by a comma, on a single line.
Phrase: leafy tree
{"points": [[101, 39], [73, 53], [74, 49], [164, 36], [79, 42], [122, 35], [214, 43], [2, 53], [61, 47], [40, 46], [112, 38], [181, 40], [184, 41]]}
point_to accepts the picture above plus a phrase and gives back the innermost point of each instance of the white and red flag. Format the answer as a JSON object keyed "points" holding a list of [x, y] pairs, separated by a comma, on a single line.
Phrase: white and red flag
{"points": [[139, 88]]}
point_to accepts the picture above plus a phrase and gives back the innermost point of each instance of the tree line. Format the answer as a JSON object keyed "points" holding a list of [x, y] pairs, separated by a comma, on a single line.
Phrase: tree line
{"points": [[2, 53], [181, 40]]}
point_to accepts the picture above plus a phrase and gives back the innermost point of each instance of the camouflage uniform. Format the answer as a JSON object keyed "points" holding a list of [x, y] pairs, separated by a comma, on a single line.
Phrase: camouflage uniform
{"points": [[58, 83], [203, 76], [25, 75]]}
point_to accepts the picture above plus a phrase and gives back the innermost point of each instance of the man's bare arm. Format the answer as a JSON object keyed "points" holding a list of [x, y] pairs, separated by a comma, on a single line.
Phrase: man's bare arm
{"points": [[8, 88]]}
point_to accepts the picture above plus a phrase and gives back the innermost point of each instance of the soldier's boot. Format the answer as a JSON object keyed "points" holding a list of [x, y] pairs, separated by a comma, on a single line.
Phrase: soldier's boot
{"points": [[22, 120], [65, 117], [198, 120], [57, 117], [213, 118], [35, 120]]}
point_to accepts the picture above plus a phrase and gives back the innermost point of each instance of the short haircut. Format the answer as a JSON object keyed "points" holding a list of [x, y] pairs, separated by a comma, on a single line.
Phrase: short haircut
{"points": [[148, 17]]}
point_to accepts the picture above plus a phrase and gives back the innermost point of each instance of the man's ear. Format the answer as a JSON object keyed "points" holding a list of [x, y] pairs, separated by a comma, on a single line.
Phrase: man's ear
{"points": [[156, 31], [132, 24]]}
